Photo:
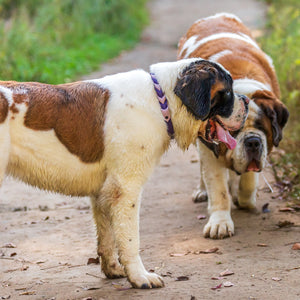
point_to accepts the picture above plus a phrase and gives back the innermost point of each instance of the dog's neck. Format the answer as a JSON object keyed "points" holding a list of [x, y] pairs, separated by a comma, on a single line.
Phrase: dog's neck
{"points": [[163, 102], [167, 74]]}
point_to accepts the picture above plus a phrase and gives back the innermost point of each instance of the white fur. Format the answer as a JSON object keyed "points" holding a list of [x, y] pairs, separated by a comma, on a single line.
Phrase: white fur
{"points": [[191, 44], [7, 94], [219, 55], [222, 14], [249, 86]]}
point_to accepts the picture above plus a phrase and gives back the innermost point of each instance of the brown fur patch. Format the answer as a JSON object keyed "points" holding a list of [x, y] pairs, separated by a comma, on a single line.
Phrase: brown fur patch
{"points": [[3, 108], [75, 111], [245, 60]]}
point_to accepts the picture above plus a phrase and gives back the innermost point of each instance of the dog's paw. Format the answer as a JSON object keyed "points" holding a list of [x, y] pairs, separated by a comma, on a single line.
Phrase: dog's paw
{"points": [[246, 202], [112, 269], [199, 196], [145, 280], [220, 225]]}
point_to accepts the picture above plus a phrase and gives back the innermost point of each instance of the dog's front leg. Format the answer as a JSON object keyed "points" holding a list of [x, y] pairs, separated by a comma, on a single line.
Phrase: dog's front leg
{"points": [[214, 174], [125, 221], [106, 247], [247, 190]]}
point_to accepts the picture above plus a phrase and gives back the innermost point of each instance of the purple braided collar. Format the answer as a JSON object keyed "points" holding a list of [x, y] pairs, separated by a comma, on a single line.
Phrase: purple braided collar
{"points": [[163, 102]]}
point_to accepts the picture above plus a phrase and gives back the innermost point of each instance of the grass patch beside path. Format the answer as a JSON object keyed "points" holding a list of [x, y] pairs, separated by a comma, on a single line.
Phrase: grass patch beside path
{"points": [[56, 41], [282, 42]]}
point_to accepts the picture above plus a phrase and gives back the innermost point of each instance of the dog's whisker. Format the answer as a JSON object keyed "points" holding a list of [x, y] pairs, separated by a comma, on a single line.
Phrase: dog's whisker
{"points": [[267, 183]]}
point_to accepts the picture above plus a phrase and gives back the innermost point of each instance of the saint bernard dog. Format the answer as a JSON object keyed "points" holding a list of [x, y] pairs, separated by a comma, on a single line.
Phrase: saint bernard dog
{"points": [[224, 39], [102, 138]]}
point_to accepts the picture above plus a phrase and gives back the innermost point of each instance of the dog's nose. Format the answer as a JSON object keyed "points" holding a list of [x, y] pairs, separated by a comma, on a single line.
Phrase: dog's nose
{"points": [[253, 144]]}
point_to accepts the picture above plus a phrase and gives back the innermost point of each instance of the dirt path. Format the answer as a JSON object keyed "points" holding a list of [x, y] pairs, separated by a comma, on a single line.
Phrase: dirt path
{"points": [[54, 235]]}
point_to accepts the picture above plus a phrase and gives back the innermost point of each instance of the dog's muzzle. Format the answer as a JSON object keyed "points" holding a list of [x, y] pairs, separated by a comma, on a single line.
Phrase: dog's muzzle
{"points": [[217, 128], [254, 148]]}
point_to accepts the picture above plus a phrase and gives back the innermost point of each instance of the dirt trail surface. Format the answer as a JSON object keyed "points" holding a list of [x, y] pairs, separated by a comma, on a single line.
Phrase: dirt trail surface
{"points": [[54, 236]]}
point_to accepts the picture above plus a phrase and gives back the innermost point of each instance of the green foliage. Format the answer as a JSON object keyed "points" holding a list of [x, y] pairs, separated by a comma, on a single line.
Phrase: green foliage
{"points": [[54, 41], [282, 43]]}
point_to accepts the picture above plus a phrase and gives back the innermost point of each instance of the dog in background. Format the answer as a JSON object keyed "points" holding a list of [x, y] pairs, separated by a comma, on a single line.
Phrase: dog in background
{"points": [[102, 138], [223, 38]]}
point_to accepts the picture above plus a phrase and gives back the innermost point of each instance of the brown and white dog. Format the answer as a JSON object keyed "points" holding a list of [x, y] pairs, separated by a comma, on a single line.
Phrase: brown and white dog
{"points": [[102, 138], [224, 39]]}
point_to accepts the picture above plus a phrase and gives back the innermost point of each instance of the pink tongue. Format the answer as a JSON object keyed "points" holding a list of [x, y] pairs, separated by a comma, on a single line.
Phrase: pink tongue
{"points": [[225, 137], [253, 167]]}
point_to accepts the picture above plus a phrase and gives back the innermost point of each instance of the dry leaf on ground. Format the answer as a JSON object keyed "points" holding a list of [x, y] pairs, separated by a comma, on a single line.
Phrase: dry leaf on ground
{"points": [[226, 273], [228, 284]]}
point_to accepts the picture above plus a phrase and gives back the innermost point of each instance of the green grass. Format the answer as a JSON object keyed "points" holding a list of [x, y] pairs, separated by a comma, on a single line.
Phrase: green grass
{"points": [[56, 41], [282, 42]]}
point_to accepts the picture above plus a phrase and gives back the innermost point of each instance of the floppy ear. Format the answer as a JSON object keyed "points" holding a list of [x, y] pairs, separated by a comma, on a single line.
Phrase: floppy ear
{"points": [[193, 88], [275, 110]]}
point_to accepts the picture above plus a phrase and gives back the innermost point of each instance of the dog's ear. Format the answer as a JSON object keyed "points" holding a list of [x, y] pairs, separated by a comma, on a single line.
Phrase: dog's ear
{"points": [[275, 110], [193, 88]]}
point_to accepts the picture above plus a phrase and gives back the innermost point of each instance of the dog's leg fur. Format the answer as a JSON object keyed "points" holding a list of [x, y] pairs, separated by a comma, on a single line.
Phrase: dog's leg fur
{"points": [[125, 220], [106, 247], [247, 190], [215, 175], [200, 194]]}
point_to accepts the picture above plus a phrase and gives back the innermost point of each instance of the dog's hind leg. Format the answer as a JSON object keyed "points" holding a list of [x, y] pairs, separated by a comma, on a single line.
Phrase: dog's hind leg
{"points": [[200, 194], [106, 247]]}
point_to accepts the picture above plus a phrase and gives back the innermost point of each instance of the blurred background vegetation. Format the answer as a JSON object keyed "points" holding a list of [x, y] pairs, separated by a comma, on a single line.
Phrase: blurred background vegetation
{"points": [[282, 42], [55, 41]]}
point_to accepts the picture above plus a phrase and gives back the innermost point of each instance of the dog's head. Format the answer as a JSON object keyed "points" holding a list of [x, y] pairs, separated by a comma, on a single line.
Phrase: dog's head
{"points": [[205, 88], [262, 130]]}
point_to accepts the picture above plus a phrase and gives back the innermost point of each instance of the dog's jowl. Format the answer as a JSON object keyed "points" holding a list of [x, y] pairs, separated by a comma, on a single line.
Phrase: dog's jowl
{"points": [[102, 138]]}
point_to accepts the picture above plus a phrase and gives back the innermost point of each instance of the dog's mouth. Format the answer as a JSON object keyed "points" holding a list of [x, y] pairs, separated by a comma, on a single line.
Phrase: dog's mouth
{"points": [[254, 166], [215, 132]]}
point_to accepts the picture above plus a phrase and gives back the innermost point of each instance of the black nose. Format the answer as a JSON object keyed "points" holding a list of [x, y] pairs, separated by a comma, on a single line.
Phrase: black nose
{"points": [[253, 144]]}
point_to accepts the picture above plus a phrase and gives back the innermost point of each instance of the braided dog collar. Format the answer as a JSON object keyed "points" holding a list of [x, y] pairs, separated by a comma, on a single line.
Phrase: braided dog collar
{"points": [[163, 102]]}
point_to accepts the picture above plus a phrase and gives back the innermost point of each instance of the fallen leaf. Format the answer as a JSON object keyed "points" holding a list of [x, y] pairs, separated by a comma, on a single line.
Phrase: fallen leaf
{"points": [[276, 279], [262, 245], [168, 274], [296, 246], [285, 223], [217, 278], [182, 278], [284, 209], [207, 251], [226, 273], [91, 288], [93, 261], [228, 284], [9, 245], [217, 287], [5, 297], [27, 293], [265, 208], [179, 254], [24, 268], [120, 287], [201, 217]]}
